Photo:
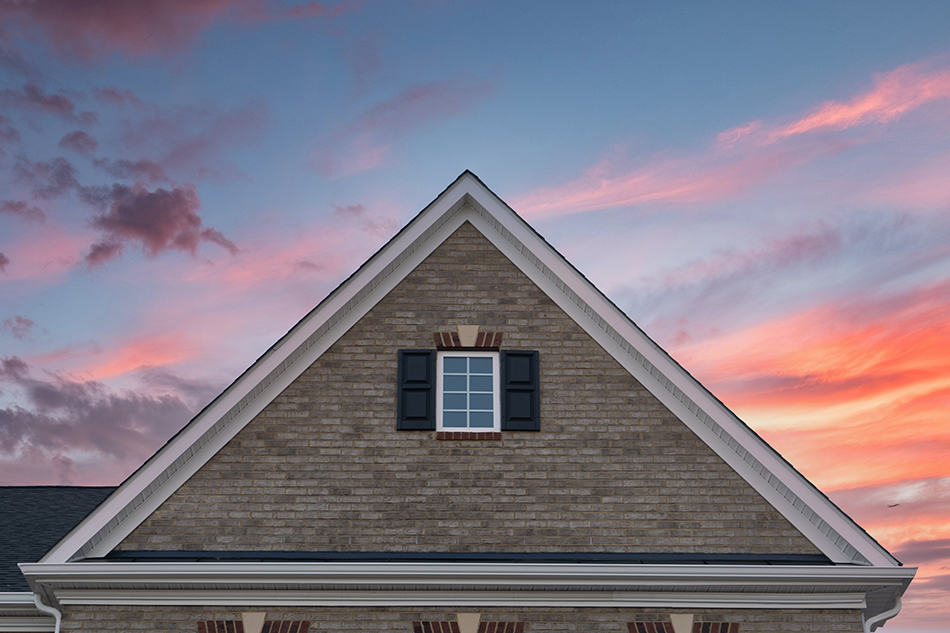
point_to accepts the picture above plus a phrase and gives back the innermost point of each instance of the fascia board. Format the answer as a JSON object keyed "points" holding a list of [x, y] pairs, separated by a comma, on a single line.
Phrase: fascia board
{"points": [[16, 598], [129, 574], [759, 464], [696, 600]]}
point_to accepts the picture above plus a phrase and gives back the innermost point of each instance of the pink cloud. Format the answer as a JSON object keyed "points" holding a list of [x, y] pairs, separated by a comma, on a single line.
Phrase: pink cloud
{"points": [[363, 143], [894, 94], [80, 430], [190, 139], [45, 252], [923, 187], [33, 99], [699, 179], [90, 31], [742, 156]]}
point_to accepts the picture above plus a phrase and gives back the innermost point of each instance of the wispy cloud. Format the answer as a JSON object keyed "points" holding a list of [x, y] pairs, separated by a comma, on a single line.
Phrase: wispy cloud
{"points": [[741, 157], [365, 142]]}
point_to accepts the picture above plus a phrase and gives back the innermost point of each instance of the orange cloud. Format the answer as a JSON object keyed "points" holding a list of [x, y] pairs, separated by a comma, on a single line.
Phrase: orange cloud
{"points": [[849, 391]]}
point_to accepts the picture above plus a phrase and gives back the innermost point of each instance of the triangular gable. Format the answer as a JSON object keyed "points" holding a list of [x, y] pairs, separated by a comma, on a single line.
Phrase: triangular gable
{"points": [[468, 199]]}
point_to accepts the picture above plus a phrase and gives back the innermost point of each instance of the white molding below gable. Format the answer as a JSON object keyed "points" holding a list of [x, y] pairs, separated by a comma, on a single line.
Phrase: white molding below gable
{"points": [[665, 600]]}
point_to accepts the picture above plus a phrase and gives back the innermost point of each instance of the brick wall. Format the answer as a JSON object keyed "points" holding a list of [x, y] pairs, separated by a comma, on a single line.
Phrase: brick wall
{"points": [[177, 619], [323, 468]]}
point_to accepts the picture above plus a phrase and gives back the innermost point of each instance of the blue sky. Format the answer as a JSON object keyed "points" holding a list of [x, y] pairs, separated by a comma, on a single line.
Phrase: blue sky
{"points": [[761, 186]]}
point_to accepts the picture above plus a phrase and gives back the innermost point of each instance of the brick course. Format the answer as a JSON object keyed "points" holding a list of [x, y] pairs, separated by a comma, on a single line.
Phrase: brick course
{"points": [[180, 619], [322, 467]]}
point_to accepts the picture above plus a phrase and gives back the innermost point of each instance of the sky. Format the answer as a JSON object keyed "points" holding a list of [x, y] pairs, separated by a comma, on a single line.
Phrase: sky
{"points": [[763, 187]]}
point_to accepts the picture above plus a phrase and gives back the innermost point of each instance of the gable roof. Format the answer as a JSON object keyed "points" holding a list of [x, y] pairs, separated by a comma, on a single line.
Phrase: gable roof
{"points": [[468, 199], [34, 518]]}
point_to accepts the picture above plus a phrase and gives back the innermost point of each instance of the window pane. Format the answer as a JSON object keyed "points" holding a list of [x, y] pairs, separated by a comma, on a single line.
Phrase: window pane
{"points": [[454, 419], [455, 364], [481, 420], [482, 401], [479, 383], [480, 365], [454, 401], [453, 383]]}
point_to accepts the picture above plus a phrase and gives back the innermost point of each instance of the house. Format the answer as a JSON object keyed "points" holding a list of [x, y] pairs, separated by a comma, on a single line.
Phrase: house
{"points": [[465, 436]]}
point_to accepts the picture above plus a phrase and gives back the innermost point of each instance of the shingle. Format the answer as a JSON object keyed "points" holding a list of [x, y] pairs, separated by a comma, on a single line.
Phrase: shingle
{"points": [[33, 519]]}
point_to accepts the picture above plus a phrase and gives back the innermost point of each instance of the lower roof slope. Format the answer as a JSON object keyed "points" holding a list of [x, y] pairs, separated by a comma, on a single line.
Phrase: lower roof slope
{"points": [[34, 518]]}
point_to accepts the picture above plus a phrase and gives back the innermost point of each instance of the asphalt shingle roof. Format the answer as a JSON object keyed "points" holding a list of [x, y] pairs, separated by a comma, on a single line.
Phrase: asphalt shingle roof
{"points": [[33, 519]]}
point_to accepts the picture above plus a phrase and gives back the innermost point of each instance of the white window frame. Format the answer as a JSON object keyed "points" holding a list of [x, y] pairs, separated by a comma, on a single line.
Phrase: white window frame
{"points": [[496, 390]]}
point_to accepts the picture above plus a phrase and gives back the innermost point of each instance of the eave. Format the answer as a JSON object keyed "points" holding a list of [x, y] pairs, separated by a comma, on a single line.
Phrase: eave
{"points": [[873, 590]]}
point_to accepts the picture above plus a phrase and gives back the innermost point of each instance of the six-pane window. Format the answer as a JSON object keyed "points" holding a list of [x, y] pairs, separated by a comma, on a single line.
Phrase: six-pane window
{"points": [[468, 391]]}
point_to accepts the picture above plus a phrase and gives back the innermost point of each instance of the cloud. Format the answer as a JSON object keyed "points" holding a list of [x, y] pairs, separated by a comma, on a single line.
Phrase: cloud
{"points": [[4, 261], [47, 179], [377, 226], [23, 210], [18, 326], [703, 178], [15, 62], [159, 220], [111, 95], [917, 552], [32, 99], [741, 157], [89, 31], [136, 170], [80, 142], [189, 138], [83, 425], [894, 94], [8, 133], [364, 142]]}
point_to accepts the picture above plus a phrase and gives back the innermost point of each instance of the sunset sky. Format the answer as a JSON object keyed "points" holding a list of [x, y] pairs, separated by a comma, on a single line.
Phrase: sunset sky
{"points": [[765, 190]]}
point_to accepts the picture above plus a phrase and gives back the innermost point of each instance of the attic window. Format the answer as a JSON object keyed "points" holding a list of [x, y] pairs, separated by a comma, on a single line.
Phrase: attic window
{"points": [[467, 395], [468, 391]]}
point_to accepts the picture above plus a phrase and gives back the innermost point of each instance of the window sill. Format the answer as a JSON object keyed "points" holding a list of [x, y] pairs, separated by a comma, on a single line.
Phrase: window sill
{"points": [[468, 435]]}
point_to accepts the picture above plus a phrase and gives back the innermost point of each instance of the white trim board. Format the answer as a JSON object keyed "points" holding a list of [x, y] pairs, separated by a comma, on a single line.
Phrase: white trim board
{"points": [[468, 199]]}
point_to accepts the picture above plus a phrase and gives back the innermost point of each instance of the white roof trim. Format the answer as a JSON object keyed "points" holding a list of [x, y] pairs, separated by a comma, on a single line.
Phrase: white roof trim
{"points": [[468, 199], [870, 589]]}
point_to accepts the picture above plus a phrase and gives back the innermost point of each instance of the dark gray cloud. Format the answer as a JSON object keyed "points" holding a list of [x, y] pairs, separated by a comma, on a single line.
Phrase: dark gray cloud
{"points": [[31, 98], [918, 552], [116, 96], [59, 416], [79, 141], [46, 179], [4, 260], [23, 210], [159, 220]]}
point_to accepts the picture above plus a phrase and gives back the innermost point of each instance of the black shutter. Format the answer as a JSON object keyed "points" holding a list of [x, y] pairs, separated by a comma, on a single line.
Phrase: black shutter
{"points": [[520, 391], [416, 390]]}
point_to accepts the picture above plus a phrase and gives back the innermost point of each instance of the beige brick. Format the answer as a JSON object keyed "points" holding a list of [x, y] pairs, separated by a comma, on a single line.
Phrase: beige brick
{"points": [[323, 468]]}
